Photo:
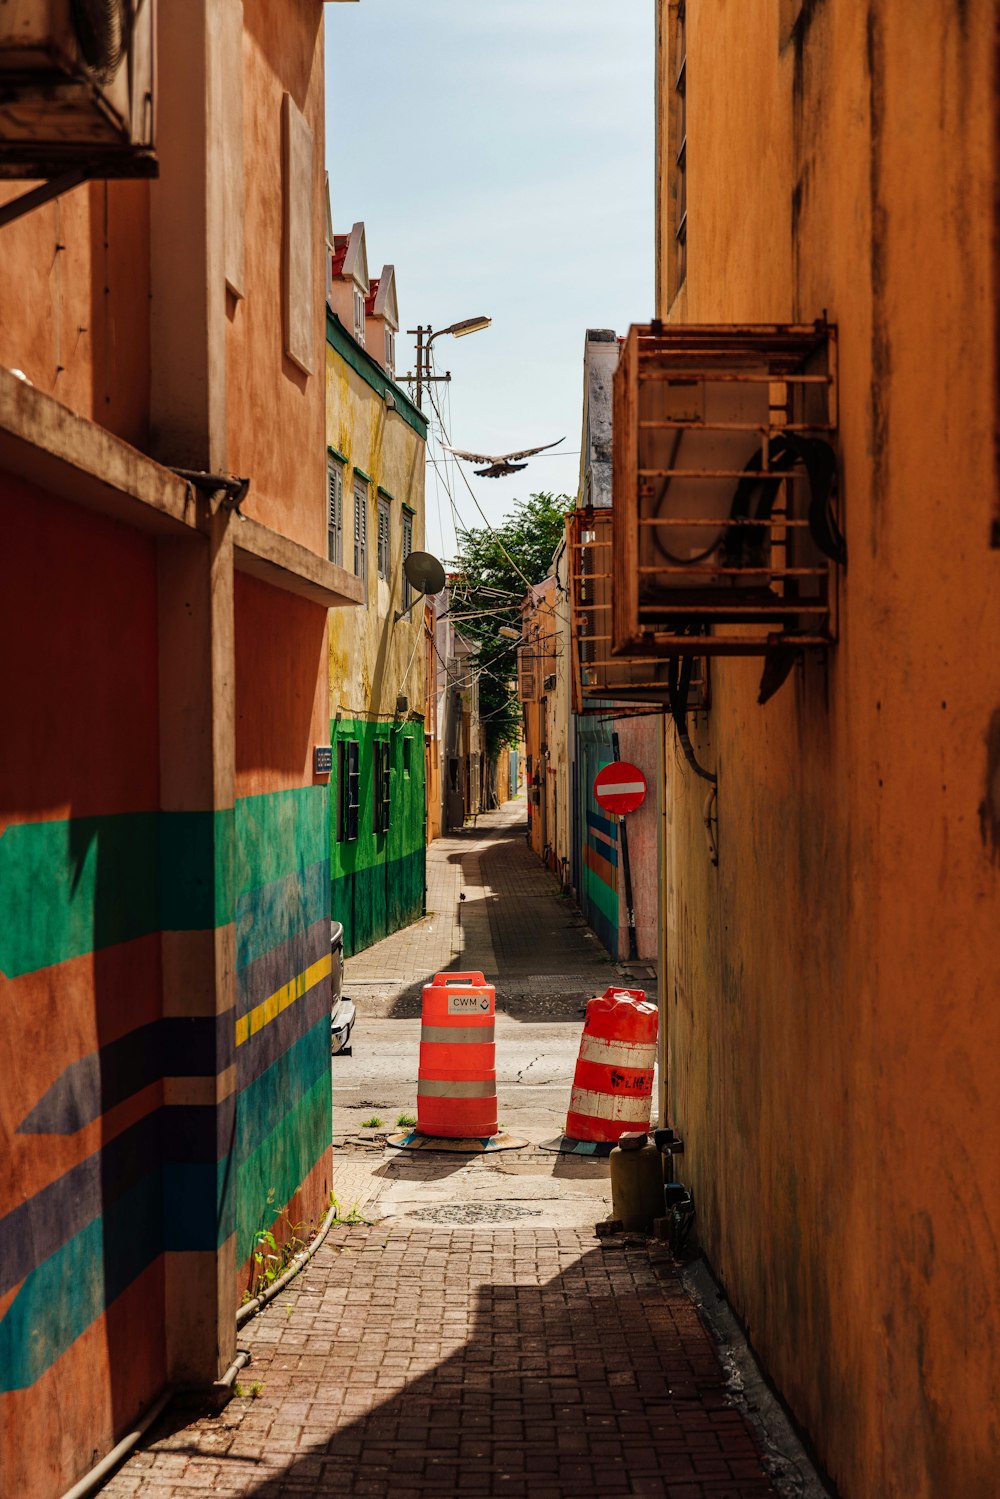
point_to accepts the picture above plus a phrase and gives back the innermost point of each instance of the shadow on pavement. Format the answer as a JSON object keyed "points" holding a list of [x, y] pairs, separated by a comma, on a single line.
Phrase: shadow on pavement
{"points": [[597, 1379]]}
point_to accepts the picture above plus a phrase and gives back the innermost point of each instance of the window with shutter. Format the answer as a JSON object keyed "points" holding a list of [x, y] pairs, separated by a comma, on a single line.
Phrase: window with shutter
{"points": [[407, 549], [335, 511], [349, 789], [361, 535], [383, 539], [381, 785]]}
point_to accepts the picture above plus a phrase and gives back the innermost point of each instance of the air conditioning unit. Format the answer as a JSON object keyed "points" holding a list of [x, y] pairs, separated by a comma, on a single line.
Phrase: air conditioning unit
{"points": [[76, 88]]}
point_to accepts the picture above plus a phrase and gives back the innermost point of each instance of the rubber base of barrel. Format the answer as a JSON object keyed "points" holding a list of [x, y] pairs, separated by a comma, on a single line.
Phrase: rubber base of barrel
{"points": [[412, 1139], [566, 1145]]}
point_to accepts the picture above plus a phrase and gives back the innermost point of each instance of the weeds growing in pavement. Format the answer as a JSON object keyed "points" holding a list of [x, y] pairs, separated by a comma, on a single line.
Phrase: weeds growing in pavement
{"points": [[353, 1218], [249, 1392], [403, 1121], [272, 1257], [373, 1123]]}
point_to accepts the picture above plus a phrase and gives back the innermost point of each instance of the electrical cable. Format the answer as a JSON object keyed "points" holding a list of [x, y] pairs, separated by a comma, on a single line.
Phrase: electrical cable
{"points": [[493, 531], [678, 688]]}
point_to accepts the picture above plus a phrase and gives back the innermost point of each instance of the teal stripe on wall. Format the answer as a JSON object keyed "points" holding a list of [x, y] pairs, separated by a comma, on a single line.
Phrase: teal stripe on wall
{"points": [[283, 1115], [275, 913], [59, 1300], [73, 886], [268, 1179], [265, 1101], [372, 373], [278, 832]]}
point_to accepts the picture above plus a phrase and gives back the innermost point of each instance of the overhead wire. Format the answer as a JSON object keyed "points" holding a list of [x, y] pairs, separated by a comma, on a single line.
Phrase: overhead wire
{"points": [[492, 529]]}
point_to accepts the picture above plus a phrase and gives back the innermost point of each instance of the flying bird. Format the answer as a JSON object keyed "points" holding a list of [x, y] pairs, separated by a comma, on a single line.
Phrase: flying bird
{"points": [[505, 463]]}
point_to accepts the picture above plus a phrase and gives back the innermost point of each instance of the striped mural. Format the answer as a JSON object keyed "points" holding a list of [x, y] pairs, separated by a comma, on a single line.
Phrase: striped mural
{"points": [[131, 1133], [282, 1025], [598, 838]]}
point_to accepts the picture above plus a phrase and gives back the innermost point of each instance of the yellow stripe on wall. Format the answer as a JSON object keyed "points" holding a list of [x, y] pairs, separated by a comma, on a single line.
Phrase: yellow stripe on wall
{"points": [[248, 1025]]}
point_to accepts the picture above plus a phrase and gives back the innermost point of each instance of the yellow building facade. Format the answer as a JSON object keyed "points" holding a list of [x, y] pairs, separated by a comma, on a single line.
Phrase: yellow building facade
{"points": [[376, 441]]}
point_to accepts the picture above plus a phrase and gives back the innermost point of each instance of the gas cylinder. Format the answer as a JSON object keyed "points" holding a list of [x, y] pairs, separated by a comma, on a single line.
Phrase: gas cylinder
{"points": [[636, 1182]]}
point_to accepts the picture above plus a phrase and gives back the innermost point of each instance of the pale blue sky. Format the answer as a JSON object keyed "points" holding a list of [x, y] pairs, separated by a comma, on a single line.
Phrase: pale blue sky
{"points": [[500, 153]]}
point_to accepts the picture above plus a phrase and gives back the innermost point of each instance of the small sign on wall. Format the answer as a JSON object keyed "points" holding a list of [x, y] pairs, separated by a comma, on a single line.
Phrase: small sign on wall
{"points": [[323, 759]]}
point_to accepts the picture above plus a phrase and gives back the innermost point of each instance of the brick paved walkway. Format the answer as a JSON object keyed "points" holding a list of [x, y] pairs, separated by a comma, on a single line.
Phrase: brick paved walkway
{"points": [[514, 925], [423, 1363]]}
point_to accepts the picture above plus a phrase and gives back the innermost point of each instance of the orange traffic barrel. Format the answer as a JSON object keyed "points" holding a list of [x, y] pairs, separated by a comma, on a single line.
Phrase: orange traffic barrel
{"points": [[613, 1086], [457, 1078]]}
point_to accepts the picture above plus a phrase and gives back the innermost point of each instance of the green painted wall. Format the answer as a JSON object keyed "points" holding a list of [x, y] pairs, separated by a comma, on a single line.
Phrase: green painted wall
{"points": [[282, 1002], [377, 880]]}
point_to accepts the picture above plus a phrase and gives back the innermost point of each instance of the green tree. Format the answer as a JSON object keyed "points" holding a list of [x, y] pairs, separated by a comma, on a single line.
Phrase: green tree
{"points": [[492, 570]]}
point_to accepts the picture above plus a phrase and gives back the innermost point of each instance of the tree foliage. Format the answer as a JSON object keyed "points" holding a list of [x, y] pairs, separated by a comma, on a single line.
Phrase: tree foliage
{"points": [[490, 569]]}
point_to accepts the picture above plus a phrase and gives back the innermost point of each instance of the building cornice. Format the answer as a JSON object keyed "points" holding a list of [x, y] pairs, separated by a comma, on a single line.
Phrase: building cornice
{"points": [[374, 376]]}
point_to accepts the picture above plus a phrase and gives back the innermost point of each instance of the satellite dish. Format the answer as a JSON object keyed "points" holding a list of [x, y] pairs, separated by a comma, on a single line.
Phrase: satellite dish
{"points": [[424, 572]]}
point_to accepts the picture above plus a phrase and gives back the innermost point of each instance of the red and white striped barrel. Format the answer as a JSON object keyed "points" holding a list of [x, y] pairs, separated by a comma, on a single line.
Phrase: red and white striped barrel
{"points": [[613, 1086], [457, 1079]]}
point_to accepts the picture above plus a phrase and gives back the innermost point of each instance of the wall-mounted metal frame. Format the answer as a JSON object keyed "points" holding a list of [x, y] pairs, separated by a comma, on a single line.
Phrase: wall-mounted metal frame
{"points": [[599, 676], [724, 480]]}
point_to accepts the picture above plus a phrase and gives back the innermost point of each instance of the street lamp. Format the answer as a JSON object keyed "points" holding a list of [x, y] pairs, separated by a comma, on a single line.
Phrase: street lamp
{"points": [[425, 336]]}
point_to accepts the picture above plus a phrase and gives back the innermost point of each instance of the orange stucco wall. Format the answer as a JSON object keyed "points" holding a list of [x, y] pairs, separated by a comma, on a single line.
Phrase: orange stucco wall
{"points": [[281, 688], [74, 293], [834, 1039], [282, 52], [79, 765]]}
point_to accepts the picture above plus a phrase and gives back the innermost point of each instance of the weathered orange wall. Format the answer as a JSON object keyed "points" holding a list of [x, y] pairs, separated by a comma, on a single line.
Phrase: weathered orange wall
{"points": [[286, 453], [80, 759], [281, 688], [834, 1036], [74, 294]]}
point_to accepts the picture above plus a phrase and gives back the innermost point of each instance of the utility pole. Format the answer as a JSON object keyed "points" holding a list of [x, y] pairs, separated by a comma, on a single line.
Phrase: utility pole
{"points": [[425, 336]]}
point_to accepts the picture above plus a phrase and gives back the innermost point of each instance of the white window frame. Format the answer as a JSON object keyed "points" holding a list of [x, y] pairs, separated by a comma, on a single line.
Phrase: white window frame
{"points": [[335, 510], [384, 537], [407, 549], [361, 533], [359, 315], [390, 351]]}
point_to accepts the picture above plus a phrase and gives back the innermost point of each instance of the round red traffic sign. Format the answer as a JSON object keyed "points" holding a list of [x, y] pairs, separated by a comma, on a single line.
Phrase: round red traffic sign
{"points": [[620, 787]]}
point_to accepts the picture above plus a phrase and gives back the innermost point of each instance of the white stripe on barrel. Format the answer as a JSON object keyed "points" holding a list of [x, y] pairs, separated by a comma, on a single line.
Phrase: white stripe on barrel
{"points": [[611, 1053], [630, 1108]]}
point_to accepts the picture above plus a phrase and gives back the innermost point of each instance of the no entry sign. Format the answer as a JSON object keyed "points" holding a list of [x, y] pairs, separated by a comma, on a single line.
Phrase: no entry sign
{"points": [[620, 787]]}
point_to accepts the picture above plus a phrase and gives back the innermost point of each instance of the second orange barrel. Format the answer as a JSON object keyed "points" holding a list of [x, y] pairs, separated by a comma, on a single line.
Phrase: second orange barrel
{"points": [[613, 1085], [457, 1079]]}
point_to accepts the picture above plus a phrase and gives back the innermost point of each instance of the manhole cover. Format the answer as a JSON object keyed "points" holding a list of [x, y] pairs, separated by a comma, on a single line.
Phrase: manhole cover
{"points": [[474, 1212]]}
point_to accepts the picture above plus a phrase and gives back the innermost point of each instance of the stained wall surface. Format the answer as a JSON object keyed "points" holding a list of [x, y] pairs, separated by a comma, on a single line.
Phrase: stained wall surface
{"points": [[282, 54], [834, 1044], [378, 452], [74, 287]]}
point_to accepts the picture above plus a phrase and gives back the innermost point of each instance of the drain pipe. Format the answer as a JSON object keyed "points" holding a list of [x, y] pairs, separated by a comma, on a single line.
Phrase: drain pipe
{"points": [[298, 1263], [107, 1465], [222, 1387]]}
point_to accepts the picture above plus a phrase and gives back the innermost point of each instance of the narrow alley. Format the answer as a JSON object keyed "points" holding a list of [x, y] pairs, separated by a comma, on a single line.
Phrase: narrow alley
{"points": [[463, 1330]]}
